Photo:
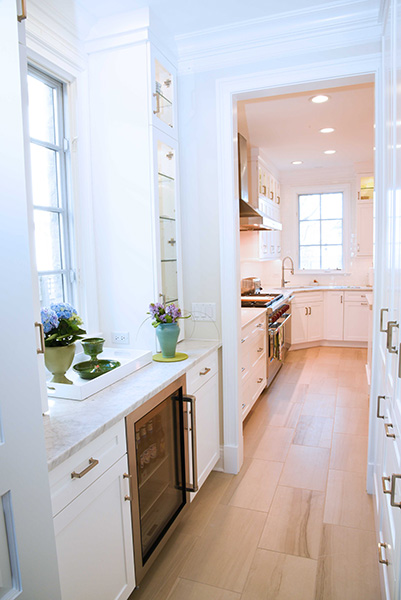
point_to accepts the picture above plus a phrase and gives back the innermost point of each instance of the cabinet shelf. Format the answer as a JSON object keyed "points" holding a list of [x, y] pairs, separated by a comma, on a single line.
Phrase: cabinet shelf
{"points": [[165, 260], [165, 177], [164, 218], [153, 471], [158, 493]]}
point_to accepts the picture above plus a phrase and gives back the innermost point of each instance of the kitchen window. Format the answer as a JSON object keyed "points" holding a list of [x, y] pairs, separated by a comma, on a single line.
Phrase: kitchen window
{"points": [[52, 218], [320, 217]]}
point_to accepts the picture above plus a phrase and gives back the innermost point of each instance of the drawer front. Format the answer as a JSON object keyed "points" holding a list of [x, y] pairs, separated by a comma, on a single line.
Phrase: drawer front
{"points": [[202, 372], [302, 298], [107, 449], [257, 347], [253, 386], [255, 325], [354, 296]]}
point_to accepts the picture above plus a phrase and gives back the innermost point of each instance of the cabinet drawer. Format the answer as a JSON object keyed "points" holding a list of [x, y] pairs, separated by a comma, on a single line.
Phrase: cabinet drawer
{"points": [[254, 326], [253, 386], [256, 347], [307, 298], [354, 297], [202, 372], [107, 449]]}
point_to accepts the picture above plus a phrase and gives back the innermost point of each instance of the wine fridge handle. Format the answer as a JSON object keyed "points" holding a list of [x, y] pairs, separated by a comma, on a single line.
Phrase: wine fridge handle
{"points": [[194, 486]]}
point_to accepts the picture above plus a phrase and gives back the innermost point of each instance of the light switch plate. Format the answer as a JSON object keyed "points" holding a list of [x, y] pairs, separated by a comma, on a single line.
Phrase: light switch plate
{"points": [[203, 311]]}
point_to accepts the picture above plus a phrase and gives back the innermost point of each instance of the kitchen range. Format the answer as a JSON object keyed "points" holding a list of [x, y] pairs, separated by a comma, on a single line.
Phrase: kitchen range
{"points": [[278, 313]]}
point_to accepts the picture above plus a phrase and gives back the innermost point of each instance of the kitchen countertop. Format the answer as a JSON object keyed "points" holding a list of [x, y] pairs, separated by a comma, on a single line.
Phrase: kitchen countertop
{"points": [[319, 288], [71, 424]]}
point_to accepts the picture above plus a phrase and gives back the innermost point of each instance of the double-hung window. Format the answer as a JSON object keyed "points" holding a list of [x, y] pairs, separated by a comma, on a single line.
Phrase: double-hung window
{"points": [[49, 187], [321, 231]]}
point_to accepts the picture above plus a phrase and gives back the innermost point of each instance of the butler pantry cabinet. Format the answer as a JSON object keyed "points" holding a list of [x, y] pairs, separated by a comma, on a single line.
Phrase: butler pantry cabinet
{"points": [[384, 466], [135, 174]]}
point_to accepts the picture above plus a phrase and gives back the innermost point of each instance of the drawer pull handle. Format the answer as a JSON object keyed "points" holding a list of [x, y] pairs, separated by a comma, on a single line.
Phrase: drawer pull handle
{"points": [[380, 546], [92, 464], [243, 369], [40, 350], [378, 415], [393, 484], [259, 325], [391, 325], [243, 406], [260, 350], [387, 427], [382, 311], [243, 340], [385, 490], [205, 371], [260, 380]]}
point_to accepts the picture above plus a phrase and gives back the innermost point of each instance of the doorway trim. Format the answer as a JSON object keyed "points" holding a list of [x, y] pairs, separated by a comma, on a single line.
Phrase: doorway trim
{"points": [[228, 92]]}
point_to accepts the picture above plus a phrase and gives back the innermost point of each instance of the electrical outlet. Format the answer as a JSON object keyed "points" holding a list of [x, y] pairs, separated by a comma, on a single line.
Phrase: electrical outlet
{"points": [[203, 311], [121, 337]]}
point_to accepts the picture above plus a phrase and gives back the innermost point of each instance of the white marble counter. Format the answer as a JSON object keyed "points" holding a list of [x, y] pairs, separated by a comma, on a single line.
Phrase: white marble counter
{"points": [[250, 314], [70, 424], [318, 288]]}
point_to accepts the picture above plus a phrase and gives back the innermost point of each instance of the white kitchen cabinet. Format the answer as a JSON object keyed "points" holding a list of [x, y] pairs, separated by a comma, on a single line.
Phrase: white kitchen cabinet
{"points": [[307, 322], [93, 521], [364, 220], [333, 316], [356, 317], [203, 383], [253, 363]]}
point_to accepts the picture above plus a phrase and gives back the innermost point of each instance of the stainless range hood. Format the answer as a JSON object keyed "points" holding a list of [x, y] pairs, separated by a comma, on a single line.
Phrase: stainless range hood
{"points": [[251, 219]]}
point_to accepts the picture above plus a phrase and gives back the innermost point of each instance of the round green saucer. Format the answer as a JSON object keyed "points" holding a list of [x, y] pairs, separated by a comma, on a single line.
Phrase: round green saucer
{"points": [[178, 356]]}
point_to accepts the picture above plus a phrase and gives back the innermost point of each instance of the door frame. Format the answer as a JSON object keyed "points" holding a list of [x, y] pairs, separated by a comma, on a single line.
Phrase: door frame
{"points": [[228, 92]]}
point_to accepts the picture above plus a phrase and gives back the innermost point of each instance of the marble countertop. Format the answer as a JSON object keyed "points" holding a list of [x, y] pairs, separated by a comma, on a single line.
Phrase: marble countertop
{"points": [[71, 424], [250, 314], [319, 288]]}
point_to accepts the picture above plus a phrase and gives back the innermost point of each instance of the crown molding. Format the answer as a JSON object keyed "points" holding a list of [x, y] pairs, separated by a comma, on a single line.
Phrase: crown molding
{"points": [[308, 30]]}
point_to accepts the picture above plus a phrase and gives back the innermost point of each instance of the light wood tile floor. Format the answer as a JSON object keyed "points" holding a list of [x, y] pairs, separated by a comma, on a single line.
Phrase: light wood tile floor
{"points": [[296, 523]]}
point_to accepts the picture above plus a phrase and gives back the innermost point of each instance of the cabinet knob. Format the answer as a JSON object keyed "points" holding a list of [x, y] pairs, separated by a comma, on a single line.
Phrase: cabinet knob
{"points": [[380, 546], [260, 380], [260, 350]]}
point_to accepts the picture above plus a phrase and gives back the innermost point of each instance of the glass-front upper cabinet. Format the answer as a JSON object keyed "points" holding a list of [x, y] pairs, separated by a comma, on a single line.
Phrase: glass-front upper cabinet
{"points": [[166, 153], [163, 84]]}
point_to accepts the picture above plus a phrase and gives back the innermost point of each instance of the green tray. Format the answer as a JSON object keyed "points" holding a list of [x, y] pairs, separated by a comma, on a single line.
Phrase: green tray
{"points": [[94, 368], [178, 356]]}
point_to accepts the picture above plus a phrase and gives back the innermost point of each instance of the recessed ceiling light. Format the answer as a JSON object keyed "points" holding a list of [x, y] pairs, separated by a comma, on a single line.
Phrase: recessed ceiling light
{"points": [[297, 162], [330, 151], [319, 99], [327, 130]]}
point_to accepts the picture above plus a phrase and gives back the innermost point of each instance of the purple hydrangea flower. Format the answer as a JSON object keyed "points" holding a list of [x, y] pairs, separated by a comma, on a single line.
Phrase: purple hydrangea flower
{"points": [[49, 319]]}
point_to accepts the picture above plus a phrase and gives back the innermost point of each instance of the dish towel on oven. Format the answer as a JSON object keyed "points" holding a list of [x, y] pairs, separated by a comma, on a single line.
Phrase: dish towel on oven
{"points": [[278, 345]]}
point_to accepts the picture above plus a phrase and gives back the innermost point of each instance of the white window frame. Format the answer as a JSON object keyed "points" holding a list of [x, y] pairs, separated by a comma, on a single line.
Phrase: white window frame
{"points": [[62, 147], [345, 189]]}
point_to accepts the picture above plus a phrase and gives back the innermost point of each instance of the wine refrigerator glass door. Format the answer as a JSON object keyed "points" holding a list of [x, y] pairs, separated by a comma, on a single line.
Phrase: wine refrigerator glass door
{"points": [[158, 469]]}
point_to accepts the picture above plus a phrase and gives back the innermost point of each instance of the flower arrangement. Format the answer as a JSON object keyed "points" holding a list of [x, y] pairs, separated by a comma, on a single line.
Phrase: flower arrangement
{"points": [[61, 325], [161, 313]]}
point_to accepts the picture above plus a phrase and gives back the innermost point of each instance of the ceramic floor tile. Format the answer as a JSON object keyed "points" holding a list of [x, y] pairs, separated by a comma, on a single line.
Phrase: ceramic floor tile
{"points": [[191, 590], [353, 421], [350, 398], [347, 502], [328, 385], [256, 488], [347, 566], [349, 453], [282, 413], [355, 379], [272, 444], [276, 576], [161, 578], [319, 405], [294, 523], [306, 468], [292, 392], [313, 431], [222, 556], [206, 500]]}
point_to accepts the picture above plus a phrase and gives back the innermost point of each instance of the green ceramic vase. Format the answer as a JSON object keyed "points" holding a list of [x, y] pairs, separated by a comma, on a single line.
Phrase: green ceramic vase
{"points": [[167, 334], [58, 360]]}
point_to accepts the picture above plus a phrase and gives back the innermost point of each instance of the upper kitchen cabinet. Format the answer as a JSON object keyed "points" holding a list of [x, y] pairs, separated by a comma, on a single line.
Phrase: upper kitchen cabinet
{"points": [[134, 159], [164, 107]]}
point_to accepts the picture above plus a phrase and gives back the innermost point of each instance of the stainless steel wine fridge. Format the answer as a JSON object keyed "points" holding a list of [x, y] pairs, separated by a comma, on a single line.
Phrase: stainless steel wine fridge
{"points": [[161, 437]]}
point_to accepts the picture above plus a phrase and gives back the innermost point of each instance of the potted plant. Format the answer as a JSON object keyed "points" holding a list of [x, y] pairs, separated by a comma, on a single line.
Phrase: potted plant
{"points": [[62, 328], [165, 319]]}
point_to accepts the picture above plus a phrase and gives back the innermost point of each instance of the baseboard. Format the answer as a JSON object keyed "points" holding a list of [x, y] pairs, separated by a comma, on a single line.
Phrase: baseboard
{"points": [[329, 343], [231, 459]]}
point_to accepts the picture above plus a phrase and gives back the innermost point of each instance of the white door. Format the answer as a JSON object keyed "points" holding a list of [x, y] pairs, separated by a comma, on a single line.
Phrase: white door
{"points": [[28, 567]]}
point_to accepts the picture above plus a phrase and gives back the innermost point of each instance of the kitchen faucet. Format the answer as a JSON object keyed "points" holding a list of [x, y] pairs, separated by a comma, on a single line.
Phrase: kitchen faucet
{"points": [[283, 268]]}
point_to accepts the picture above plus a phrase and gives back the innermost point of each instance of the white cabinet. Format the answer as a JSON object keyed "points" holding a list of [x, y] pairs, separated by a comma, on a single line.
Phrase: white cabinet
{"points": [[356, 317], [203, 382], [307, 318], [333, 315], [92, 520], [253, 362]]}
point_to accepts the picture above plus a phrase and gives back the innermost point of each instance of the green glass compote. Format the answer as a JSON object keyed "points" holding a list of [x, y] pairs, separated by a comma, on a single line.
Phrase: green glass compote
{"points": [[93, 346]]}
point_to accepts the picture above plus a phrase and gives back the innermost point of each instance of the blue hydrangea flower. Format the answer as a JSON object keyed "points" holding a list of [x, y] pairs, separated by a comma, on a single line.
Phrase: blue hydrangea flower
{"points": [[63, 310], [49, 319]]}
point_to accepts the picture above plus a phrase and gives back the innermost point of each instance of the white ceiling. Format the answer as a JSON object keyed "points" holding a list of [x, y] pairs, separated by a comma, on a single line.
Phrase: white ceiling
{"points": [[286, 127], [183, 16]]}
